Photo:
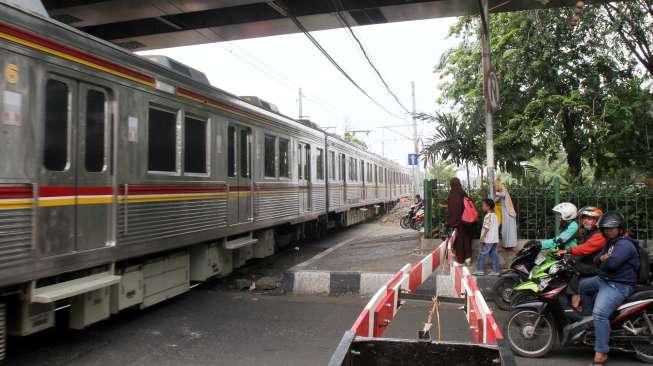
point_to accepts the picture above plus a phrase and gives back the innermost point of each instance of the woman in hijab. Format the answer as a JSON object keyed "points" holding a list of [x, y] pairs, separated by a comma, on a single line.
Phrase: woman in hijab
{"points": [[506, 215], [462, 245]]}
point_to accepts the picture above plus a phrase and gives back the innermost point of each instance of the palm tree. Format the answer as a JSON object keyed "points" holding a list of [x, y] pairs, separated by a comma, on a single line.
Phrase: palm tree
{"points": [[453, 141]]}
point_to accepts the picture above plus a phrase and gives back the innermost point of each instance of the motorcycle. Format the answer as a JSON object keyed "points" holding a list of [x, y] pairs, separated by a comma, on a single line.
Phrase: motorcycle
{"points": [[418, 221], [537, 326], [519, 270], [528, 289], [406, 220]]}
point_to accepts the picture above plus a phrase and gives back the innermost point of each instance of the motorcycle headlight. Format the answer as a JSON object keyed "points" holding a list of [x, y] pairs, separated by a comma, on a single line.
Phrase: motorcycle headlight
{"points": [[543, 283], [555, 269]]}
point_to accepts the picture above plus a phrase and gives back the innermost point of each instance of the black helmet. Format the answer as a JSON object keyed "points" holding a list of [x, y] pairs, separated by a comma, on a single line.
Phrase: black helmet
{"points": [[611, 219]]}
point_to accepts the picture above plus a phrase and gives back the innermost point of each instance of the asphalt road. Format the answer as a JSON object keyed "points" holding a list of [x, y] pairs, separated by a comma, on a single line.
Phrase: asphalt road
{"points": [[214, 325]]}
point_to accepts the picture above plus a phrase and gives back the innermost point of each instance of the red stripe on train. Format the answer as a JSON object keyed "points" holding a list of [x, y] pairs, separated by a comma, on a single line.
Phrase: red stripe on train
{"points": [[8, 192], [72, 52], [14, 192], [133, 190]]}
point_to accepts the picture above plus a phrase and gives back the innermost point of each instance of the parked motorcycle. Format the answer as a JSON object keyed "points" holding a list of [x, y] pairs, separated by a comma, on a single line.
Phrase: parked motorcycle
{"points": [[537, 326], [520, 268], [418, 221], [406, 221]]}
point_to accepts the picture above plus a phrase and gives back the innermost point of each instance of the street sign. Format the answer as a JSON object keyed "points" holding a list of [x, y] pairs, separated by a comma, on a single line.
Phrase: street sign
{"points": [[412, 159], [492, 91]]}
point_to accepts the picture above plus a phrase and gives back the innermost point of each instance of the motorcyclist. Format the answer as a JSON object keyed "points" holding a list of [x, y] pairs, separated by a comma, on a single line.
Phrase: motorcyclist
{"points": [[419, 202], [590, 242], [618, 265], [569, 227]]}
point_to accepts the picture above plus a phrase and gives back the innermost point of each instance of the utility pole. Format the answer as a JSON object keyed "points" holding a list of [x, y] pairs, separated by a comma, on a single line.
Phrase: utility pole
{"points": [[301, 97], [416, 167], [486, 63]]}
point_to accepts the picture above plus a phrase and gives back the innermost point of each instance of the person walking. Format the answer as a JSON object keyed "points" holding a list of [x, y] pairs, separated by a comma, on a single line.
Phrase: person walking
{"points": [[489, 240], [462, 244], [506, 214]]}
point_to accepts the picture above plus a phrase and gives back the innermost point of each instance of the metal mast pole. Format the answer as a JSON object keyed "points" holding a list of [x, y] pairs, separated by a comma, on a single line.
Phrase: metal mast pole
{"points": [[301, 96], [489, 132], [416, 167]]}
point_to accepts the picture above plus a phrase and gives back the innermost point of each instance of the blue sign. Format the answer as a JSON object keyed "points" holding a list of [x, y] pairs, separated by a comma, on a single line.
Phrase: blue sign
{"points": [[412, 159]]}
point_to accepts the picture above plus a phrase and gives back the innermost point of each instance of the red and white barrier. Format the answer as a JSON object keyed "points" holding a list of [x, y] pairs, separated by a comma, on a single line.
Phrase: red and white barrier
{"points": [[479, 316], [382, 307]]}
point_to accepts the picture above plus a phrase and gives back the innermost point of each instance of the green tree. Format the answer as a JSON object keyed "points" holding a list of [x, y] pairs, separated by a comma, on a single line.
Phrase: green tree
{"points": [[563, 89], [442, 171], [351, 138], [454, 141], [632, 22]]}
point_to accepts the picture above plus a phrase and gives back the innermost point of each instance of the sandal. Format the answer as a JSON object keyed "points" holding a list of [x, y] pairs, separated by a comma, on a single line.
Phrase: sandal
{"points": [[599, 363]]}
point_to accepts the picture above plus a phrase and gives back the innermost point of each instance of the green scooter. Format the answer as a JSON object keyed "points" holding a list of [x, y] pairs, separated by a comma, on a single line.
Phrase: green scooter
{"points": [[538, 278]]}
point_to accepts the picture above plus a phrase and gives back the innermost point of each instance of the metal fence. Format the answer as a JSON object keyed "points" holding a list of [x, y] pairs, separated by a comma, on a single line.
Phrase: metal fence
{"points": [[534, 200]]}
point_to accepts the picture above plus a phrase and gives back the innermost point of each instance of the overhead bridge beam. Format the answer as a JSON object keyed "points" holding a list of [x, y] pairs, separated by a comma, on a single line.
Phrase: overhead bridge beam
{"points": [[167, 23]]}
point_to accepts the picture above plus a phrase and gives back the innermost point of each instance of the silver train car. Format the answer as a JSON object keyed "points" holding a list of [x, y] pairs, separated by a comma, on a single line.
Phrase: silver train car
{"points": [[124, 179]]}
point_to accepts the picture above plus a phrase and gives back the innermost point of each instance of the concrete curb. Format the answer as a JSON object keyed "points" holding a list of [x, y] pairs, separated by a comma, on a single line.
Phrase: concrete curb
{"points": [[335, 283]]}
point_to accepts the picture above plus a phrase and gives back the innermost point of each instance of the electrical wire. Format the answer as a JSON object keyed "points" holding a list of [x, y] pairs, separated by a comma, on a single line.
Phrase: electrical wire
{"points": [[270, 72], [367, 57], [335, 64]]}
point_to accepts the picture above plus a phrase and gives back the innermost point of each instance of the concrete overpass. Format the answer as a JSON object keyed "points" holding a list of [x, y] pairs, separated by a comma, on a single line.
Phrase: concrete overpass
{"points": [[152, 24]]}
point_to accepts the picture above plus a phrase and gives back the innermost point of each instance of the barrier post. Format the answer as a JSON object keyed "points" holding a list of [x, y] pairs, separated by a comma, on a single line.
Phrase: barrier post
{"points": [[428, 204]]}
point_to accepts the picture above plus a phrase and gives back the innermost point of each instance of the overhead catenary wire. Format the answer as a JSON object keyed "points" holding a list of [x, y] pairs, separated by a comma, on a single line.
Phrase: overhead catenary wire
{"points": [[343, 19], [261, 66], [336, 65]]}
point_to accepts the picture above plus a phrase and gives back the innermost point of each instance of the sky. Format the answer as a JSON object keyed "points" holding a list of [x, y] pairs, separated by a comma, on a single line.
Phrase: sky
{"points": [[274, 68]]}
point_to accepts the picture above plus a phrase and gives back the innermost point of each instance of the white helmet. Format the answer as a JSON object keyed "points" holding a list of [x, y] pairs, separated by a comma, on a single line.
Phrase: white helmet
{"points": [[566, 210]]}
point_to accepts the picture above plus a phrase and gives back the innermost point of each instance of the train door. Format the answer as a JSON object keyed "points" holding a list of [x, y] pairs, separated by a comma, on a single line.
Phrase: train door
{"points": [[343, 177], [75, 192], [239, 173], [376, 181], [363, 177], [304, 161], [93, 168]]}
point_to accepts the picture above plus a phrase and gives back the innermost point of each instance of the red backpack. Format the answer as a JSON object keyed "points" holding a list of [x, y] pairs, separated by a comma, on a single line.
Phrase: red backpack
{"points": [[470, 214]]}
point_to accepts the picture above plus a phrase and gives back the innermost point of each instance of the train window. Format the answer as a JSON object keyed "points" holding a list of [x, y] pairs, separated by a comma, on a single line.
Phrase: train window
{"points": [[352, 164], [299, 161], [270, 141], [376, 174], [231, 151], [332, 165], [307, 162], [194, 145], [284, 167], [320, 164], [55, 153], [95, 117], [245, 152], [162, 141], [343, 171], [362, 173]]}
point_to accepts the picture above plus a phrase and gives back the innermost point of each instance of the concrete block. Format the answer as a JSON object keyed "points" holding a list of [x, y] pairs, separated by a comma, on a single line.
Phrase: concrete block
{"points": [[445, 286], [344, 283], [311, 282], [371, 282]]}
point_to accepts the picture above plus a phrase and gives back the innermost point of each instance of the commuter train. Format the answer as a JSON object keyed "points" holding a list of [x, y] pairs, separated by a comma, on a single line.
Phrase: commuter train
{"points": [[124, 178]]}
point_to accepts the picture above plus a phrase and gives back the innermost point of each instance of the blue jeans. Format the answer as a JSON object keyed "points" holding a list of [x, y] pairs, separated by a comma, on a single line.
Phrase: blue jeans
{"points": [[602, 298], [491, 250]]}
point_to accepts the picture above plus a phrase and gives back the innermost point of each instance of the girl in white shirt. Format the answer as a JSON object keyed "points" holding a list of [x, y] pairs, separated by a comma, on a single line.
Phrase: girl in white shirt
{"points": [[489, 240]]}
